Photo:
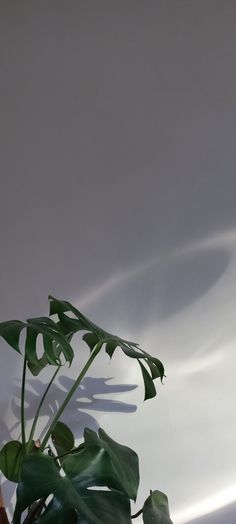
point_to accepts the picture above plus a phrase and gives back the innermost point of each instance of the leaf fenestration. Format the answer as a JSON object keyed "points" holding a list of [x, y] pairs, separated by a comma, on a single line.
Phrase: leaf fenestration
{"points": [[98, 462], [95, 334], [55, 343]]}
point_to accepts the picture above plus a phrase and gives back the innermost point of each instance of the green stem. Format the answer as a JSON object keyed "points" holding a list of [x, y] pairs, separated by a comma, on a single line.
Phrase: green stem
{"points": [[137, 514], [71, 393], [22, 408], [40, 405]]}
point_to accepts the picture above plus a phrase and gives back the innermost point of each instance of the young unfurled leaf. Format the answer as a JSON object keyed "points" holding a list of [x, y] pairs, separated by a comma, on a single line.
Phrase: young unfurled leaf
{"points": [[11, 456], [156, 509]]}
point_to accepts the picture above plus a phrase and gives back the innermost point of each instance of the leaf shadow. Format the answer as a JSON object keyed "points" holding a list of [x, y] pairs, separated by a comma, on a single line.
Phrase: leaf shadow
{"points": [[90, 396]]}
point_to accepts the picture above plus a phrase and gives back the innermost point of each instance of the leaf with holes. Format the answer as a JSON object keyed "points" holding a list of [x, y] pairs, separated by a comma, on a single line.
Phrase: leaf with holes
{"points": [[100, 461], [55, 343], [94, 335]]}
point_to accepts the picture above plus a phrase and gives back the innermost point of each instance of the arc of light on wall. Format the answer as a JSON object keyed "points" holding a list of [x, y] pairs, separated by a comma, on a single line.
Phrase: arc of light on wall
{"points": [[224, 239], [206, 506]]}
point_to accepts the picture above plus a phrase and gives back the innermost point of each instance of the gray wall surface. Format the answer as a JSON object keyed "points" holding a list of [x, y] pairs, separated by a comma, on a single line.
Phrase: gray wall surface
{"points": [[118, 188]]}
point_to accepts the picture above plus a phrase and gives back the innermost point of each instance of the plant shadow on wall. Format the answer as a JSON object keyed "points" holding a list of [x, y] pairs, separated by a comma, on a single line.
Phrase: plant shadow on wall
{"points": [[56, 479], [77, 416]]}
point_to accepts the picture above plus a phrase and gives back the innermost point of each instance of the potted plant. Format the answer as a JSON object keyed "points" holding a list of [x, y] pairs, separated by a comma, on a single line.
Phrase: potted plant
{"points": [[59, 482]]}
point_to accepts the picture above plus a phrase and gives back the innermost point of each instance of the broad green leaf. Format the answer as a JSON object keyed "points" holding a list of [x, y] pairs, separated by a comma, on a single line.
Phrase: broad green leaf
{"points": [[124, 462], [63, 438], [150, 390], [58, 514], [156, 509], [40, 478], [51, 333], [11, 456], [94, 334], [70, 325], [60, 306], [102, 461], [11, 331], [55, 342], [112, 507]]}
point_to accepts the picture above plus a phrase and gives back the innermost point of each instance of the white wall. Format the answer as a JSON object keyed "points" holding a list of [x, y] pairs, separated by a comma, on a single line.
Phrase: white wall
{"points": [[118, 193]]}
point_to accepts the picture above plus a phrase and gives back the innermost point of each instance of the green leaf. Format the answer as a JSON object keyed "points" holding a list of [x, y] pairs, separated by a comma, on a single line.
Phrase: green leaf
{"points": [[112, 507], [95, 334], [124, 462], [91, 339], [36, 367], [63, 438], [57, 337], [11, 456], [10, 331], [102, 461], [109, 508], [60, 306], [55, 514], [69, 326], [55, 342], [53, 339], [150, 390], [156, 509], [40, 478], [110, 348], [153, 368]]}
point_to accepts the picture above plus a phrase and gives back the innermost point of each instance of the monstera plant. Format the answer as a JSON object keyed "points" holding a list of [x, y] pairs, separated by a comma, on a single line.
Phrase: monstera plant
{"points": [[59, 482]]}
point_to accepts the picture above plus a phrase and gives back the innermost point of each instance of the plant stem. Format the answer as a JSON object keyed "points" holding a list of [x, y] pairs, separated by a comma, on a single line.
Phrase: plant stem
{"points": [[40, 405], [137, 514], [71, 392], [23, 403]]}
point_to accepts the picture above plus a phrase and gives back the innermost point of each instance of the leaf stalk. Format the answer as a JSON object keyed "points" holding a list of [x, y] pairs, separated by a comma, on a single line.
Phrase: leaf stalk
{"points": [[71, 393], [23, 402]]}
